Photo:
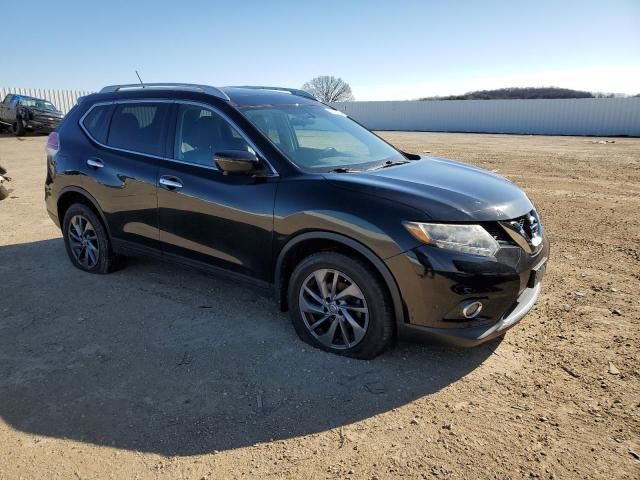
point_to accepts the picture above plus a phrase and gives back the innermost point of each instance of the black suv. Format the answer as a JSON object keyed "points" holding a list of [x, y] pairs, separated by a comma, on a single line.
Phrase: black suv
{"points": [[359, 241]]}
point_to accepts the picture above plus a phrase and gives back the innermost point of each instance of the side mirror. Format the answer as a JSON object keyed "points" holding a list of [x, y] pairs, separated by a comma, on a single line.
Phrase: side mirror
{"points": [[236, 161]]}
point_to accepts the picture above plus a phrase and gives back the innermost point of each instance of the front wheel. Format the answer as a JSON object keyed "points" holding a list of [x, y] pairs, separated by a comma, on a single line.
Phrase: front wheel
{"points": [[18, 128], [339, 304]]}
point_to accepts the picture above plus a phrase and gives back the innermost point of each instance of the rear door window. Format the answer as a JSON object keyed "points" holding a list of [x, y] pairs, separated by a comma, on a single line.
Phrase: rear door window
{"points": [[139, 127], [97, 122]]}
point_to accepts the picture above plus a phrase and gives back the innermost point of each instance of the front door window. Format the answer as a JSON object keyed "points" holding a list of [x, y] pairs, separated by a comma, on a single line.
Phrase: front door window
{"points": [[200, 133]]}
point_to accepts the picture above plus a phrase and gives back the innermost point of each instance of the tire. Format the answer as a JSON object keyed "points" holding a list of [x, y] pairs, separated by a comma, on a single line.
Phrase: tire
{"points": [[98, 256], [4, 193], [356, 293], [18, 128]]}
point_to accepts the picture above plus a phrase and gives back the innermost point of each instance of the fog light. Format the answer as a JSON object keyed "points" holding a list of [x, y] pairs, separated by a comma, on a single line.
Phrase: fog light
{"points": [[472, 309]]}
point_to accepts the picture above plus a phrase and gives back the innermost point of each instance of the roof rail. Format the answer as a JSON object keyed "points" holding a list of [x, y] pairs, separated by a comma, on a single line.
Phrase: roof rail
{"points": [[216, 92], [293, 91]]}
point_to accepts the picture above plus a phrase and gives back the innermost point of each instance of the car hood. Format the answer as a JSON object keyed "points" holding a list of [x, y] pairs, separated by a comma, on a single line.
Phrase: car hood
{"points": [[443, 189]]}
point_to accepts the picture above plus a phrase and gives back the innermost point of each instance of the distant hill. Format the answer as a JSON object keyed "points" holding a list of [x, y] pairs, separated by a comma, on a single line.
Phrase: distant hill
{"points": [[519, 93]]}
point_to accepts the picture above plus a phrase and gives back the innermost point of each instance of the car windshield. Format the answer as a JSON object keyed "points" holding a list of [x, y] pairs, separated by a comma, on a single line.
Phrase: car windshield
{"points": [[39, 104], [320, 138]]}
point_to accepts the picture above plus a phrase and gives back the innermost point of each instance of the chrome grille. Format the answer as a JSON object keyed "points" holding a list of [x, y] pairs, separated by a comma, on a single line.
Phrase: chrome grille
{"points": [[527, 224], [498, 233]]}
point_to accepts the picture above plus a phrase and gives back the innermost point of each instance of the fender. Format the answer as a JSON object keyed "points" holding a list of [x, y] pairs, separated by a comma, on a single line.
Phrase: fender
{"points": [[380, 266], [91, 199]]}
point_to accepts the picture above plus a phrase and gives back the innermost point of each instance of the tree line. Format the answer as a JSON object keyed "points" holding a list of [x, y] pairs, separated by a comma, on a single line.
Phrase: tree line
{"points": [[327, 88], [523, 93]]}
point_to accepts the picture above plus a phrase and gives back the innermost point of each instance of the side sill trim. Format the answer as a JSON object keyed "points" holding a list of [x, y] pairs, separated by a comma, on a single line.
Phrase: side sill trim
{"points": [[126, 247]]}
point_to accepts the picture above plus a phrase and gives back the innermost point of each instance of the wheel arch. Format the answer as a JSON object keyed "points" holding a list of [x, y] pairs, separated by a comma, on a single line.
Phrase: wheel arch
{"points": [[71, 195], [304, 243]]}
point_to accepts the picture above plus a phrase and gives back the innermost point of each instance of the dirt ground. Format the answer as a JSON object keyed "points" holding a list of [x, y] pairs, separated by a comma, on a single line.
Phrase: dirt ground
{"points": [[160, 372]]}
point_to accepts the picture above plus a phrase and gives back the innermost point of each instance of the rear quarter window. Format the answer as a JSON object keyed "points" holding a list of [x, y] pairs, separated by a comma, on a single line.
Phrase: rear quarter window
{"points": [[139, 127], [96, 122]]}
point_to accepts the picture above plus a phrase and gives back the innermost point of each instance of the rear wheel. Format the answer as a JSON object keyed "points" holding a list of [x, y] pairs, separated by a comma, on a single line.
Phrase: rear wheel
{"points": [[87, 242], [339, 304]]}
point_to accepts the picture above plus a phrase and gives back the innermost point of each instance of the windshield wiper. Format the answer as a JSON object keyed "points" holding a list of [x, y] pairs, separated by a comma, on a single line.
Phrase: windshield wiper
{"points": [[389, 163]]}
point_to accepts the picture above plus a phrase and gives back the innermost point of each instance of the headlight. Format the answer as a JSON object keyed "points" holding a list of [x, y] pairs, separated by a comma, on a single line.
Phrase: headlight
{"points": [[464, 238]]}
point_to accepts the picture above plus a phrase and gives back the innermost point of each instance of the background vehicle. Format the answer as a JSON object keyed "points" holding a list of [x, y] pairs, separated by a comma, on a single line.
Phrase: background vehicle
{"points": [[21, 113], [359, 241]]}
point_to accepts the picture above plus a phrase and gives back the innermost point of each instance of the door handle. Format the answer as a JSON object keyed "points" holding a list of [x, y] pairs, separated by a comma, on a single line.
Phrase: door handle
{"points": [[170, 183], [95, 163]]}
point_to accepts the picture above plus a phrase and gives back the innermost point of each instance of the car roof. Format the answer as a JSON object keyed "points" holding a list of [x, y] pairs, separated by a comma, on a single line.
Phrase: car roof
{"points": [[18, 95], [255, 96], [238, 96]]}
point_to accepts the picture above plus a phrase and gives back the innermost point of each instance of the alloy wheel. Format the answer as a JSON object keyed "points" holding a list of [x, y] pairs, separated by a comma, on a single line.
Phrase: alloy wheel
{"points": [[334, 309], [83, 241]]}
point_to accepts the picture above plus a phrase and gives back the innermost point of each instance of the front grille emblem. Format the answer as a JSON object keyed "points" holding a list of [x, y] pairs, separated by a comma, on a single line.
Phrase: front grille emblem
{"points": [[525, 231], [532, 227]]}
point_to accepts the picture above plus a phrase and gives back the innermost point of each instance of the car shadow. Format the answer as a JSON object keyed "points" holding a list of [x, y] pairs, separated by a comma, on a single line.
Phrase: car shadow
{"points": [[160, 359]]}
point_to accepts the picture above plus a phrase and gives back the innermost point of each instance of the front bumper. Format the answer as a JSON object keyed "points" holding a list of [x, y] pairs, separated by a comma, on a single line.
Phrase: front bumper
{"points": [[472, 336], [41, 126], [435, 283], [41, 123]]}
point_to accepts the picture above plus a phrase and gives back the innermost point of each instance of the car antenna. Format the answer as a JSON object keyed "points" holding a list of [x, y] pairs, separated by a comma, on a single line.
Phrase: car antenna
{"points": [[141, 83]]}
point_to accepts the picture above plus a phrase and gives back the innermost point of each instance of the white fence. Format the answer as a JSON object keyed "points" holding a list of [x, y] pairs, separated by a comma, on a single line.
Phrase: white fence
{"points": [[63, 99], [583, 116], [580, 116]]}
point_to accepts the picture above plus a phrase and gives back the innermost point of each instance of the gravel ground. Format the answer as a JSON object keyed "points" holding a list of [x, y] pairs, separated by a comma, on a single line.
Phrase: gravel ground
{"points": [[160, 372]]}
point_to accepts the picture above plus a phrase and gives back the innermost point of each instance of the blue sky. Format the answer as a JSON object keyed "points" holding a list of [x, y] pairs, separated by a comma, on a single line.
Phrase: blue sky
{"points": [[385, 49]]}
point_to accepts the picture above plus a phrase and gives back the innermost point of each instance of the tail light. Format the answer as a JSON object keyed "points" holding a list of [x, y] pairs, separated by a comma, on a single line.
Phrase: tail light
{"points": [[53, 143]]}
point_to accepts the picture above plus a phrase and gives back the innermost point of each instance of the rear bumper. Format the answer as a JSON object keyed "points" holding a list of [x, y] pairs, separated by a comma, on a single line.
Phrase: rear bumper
{"points": [[472, 336], [54, 217], [51, 195]]}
